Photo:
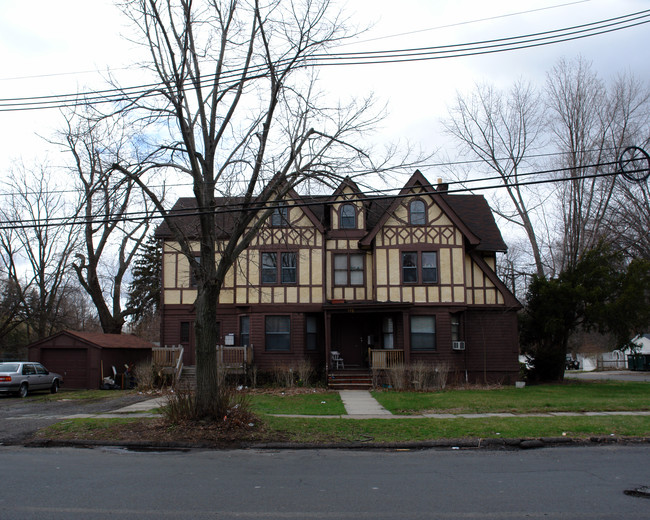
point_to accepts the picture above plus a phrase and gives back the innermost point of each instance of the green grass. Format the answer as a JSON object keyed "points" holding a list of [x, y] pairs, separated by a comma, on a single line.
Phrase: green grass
{"points": [[322, 403], [566, 397], [403, 430]]}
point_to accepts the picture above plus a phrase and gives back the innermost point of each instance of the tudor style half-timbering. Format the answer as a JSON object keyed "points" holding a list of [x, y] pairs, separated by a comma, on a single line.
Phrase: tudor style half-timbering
{"points": [[412, 274]]}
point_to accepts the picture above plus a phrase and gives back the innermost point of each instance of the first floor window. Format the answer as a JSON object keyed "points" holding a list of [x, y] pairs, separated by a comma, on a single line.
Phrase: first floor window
{"points": [[455, 327], [244, 331], [423, 332], [388, 332], [311, 331], [278, 333]]}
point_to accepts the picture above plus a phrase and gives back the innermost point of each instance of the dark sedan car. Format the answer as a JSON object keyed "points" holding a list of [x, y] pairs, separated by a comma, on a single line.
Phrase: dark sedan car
{"points": [[22, 377]]}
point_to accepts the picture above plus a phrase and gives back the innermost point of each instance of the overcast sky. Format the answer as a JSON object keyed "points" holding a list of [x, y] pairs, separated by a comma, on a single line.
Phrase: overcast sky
{"points": [[54, 47]]}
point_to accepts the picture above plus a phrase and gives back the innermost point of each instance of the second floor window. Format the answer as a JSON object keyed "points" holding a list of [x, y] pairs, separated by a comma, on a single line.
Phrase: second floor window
{"points": [[348, 269], [348, 216], [279, 267], [420, 267]]}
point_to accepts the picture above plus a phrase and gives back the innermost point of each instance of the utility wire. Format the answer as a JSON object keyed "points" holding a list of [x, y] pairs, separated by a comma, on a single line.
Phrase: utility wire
{"points": [[127, 94], [189, 184], [295, 202]]}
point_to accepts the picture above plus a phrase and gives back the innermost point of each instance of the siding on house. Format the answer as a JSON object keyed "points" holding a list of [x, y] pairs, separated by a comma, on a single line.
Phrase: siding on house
{"points": [[356, 266]]}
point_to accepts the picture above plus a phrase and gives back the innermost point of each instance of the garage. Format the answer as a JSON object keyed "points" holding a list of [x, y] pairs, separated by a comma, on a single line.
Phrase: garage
{"points": [[84, 358], [70, 363]]}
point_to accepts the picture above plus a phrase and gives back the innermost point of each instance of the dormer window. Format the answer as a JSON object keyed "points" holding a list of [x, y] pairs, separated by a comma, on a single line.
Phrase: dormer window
{"points": [[417, 213], [280, 217], [348, 216]]}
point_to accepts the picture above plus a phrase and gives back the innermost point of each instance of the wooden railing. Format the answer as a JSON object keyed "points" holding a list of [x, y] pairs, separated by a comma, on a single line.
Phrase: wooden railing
{"points": [[166, 356], [234, 356], [388, 358]]}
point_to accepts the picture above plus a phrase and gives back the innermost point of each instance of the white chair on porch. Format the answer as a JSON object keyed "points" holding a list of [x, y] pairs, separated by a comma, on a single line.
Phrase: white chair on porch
{"points": [[336, 360]]}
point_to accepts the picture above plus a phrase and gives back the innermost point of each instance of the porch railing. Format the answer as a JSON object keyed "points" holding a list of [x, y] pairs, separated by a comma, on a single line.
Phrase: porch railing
{"points": [[166, 356], [385, 358], [231, 357], [170, 359]]}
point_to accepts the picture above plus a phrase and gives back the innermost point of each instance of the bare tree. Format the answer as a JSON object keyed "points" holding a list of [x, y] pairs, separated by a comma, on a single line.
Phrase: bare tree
{"points": [[629, 217], [242, 114], [114, 212], [37, 238], [591, 124], [501, 129]]}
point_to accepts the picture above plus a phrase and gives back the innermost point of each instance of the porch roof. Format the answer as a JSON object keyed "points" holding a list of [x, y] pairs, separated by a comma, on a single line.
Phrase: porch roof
{"points": [[365, 306]]}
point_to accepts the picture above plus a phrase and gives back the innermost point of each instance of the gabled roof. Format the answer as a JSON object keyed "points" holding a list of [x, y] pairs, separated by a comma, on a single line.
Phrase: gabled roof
{"points": [[346, 183], [418, 180], [470, 213], [101, 340], [187, 216]]}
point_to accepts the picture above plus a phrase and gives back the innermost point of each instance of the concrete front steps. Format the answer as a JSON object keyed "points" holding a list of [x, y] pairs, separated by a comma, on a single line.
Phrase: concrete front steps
{"points": [[350, 380]]}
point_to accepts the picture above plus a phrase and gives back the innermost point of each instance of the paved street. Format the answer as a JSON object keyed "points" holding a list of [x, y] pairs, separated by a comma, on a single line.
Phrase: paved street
{"points": [[560, 483], [19, 418]]}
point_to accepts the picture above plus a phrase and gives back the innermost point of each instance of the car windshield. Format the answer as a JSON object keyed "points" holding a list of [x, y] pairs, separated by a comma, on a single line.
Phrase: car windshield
{"points": [[9, 367]]}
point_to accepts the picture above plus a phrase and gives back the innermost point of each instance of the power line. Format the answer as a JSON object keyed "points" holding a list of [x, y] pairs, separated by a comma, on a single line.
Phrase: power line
{"points": [[126, 94], [301, 202], [189, 184]]}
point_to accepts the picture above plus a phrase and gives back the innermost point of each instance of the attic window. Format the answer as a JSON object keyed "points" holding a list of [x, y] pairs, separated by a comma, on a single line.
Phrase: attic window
{"points": [[417, 213], [280, 217], [348, 217]]}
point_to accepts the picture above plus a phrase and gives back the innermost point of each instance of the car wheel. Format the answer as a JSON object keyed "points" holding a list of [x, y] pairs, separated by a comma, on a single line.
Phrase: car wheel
{"points": [[22, 391], [55, 387]]}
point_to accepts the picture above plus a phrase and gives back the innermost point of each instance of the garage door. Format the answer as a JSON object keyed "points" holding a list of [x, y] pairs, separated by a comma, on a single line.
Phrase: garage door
{"points": [[70, 363]]}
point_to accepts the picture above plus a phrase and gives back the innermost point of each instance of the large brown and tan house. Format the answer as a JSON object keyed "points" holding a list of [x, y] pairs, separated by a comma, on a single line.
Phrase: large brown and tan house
{"points": [[357, 274]]}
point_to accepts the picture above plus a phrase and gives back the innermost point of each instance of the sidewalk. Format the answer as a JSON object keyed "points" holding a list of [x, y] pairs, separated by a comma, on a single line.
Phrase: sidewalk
{"points": [[359, 404]]}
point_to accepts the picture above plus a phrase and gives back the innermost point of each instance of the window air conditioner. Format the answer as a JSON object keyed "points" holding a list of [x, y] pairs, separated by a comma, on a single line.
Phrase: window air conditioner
{"points": [[458, 345]]}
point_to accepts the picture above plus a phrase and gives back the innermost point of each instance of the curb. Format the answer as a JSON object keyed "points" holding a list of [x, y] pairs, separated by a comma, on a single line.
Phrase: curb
{"points": [[453, 444]]}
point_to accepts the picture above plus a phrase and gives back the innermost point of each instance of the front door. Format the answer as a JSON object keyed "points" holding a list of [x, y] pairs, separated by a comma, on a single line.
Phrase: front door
{"points": [[351, 334]]}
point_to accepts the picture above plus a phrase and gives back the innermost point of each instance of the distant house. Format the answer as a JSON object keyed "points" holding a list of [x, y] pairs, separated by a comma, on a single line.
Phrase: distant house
{"points": [[643, 341], [409, 277], [80, 357]]}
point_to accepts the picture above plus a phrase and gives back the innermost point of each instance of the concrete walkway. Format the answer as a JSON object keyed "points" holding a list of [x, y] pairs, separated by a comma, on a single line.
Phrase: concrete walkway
{"points": [[360, 402]]}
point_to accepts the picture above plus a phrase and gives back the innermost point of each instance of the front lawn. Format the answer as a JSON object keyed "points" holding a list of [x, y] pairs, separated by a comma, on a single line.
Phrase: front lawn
{"points": [[315, 403], [565, 397]]}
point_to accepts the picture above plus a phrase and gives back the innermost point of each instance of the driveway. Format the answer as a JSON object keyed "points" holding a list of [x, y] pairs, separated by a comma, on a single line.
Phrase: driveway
{"points": [[20, 418], [611, 375]]}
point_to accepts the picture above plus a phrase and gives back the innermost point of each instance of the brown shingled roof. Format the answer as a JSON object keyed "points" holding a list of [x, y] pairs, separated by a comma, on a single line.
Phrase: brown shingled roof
{"points": [[472, 210], [111, 340]]}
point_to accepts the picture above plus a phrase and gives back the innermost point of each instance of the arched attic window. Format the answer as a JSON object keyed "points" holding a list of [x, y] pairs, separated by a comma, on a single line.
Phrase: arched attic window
{"points": [[348, 216], [417, 213]]}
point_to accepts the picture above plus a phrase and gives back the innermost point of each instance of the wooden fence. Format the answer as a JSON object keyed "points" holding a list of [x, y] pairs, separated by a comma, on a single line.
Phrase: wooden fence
{"points": [[385, 358]]}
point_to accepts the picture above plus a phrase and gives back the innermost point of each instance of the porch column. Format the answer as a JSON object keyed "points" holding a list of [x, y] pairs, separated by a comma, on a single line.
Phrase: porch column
{"points": [[406, 327]]}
